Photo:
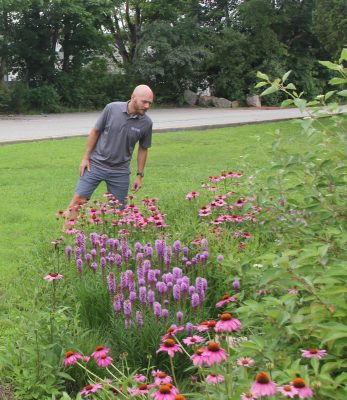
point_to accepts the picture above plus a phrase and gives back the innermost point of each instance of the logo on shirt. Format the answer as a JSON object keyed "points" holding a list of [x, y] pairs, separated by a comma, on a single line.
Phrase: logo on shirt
{"points": [[135, 129]]}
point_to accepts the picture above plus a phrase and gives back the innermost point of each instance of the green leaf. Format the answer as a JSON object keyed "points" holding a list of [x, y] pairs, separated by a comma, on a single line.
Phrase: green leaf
{"points": [[330, 65], [285, 76], [329, 94], [263, 76], [287, 103], [343, 56], [260, 84], [271, 89], [342, 93], [337, 81], [313, 103], [301, 104], [291, 86]]}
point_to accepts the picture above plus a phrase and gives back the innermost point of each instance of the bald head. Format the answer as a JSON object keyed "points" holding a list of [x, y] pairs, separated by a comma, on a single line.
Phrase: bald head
{"points": [[141, 100]]}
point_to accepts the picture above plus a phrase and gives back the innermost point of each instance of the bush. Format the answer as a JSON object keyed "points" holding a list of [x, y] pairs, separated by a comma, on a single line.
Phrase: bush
{"points": [[44, 99]]}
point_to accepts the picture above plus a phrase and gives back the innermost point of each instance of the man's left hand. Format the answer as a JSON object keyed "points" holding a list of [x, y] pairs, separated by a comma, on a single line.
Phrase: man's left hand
{"points": [[137, 184]]}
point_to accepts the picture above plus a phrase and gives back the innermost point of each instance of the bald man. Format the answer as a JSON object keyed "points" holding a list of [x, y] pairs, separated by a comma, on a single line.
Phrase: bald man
{"points": [[110, 146]]}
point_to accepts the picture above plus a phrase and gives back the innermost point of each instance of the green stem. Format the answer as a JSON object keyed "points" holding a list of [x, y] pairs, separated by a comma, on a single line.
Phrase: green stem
{"points": [[173, 371]]}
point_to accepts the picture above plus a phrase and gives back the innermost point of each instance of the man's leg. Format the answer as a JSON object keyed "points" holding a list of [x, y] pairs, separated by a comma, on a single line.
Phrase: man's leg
{"points": [[118, 184], [86, 185]]}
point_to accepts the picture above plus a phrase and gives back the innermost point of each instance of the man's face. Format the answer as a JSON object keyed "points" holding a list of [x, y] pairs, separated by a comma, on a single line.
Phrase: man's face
{"points": [[142, 103]]}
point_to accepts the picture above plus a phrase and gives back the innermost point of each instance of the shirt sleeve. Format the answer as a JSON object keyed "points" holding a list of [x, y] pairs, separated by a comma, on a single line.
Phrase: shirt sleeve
{"points": [[101, 121], [146, 140]]}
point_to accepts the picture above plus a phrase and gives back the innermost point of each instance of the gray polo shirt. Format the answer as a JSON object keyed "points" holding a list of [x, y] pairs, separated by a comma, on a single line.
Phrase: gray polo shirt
{"points": [[119, 132]]}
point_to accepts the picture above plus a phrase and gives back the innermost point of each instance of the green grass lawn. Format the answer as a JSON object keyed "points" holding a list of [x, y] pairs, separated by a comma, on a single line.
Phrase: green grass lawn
{"points": [[37, 179]]}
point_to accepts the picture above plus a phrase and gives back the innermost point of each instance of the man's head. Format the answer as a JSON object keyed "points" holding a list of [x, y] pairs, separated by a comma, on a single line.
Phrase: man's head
{"points": [[141, 100]]}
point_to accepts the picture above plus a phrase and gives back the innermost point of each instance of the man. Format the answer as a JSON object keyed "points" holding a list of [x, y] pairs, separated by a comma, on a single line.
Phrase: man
{"points": [[109, 149]]}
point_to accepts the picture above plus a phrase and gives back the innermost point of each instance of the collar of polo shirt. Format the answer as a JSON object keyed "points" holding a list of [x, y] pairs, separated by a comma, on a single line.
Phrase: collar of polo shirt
{"points": [[125, 110]]}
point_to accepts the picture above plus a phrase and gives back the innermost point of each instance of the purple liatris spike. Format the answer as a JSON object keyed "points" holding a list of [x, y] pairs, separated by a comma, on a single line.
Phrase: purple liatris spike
{"points": [[177, 273], [111, 283], [149, 252], [142, 282], [159, 248], [151, 276], [176, 293], [167, 277], [127, 308], [204, 244], [195, 300], [117, 303], [88, 258], [151, 296], [140, 273], [68, 251], [102, 252], [184, 287], [138, 247], [103, 262], [179, 316], [118, 259], [79, 264], [193, 261], [157, 309], [139, 319], [132, 297], [191, 290], [189, 328], [94, 266], [167, 256], [177, 246], [93, 253], [78, 252], [93, 238], [185, 251], [165, 314], [139, 258], [220, 258], [162, 288], [146, 266], [123, 280], [143, 295], [236, 284]]}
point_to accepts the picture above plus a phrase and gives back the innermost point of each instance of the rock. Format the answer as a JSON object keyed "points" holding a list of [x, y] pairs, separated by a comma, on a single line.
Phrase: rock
{"points": [[190, 97], [220, 102], [235, 104], [253, 101], [205, 101]]}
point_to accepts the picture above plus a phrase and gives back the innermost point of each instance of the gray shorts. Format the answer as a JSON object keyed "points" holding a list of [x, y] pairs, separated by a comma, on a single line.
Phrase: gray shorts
{"points": [[117, 182]]}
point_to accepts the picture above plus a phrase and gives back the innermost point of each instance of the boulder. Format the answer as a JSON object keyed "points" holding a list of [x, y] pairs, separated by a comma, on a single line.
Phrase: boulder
{"points": [[190, 97], [205, 101], [253, 101], [220, 102]]}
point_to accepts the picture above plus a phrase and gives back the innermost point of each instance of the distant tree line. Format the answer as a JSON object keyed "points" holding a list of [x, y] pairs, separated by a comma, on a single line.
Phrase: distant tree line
{"points": [[77, 54]]}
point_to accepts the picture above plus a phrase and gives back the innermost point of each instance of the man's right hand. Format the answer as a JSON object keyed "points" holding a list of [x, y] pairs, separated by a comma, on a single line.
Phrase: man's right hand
{"points": [[84, 164]]}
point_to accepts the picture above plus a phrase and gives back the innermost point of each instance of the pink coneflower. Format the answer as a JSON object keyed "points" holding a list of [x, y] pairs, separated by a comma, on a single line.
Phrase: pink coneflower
{"points": [[247, 396], [214, 379], [71, 358], [199, 358], [143, 389], [227, 324], [104, 361], [170, 346], [214, 354], [263, 386], [139, 378], [100, 351], [226, 299], [192, 195], [53, 276], [204, 211], [288, 391], [313, 353], [160, 378], [91, 388], [165, 392], [191, 340], [206, 325], [245, 361], [303, 390]]}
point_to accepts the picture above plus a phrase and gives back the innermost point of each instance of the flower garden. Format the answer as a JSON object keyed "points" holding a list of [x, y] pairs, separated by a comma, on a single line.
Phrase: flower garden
{"points": [[239, 294]]}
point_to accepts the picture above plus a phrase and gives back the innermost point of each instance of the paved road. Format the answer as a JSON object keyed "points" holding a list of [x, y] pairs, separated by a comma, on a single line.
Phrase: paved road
{"points": [[54, 126]]}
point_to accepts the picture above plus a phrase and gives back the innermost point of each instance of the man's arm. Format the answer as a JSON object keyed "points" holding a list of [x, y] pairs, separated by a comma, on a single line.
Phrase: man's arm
{"points": [[91, 141], [141, 162]]}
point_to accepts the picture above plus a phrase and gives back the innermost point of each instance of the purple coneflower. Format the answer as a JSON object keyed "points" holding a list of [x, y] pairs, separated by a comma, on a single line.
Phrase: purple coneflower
{"points": [[227, 324], [166, 392], [170, 346], [214, 354], [303, 390], [53, 276], [160, 378], [245, 361], [71, 358], [91, 388], [288, 391], [263, 386], [225, 300], [192, 340], [214, 379], [104, 361], [100, 351], [313, 353]]}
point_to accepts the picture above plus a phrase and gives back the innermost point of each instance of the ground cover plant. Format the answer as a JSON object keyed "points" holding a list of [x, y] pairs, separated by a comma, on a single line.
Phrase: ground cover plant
{"points": [[246, 269]]}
